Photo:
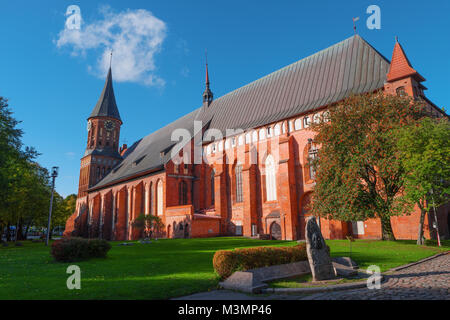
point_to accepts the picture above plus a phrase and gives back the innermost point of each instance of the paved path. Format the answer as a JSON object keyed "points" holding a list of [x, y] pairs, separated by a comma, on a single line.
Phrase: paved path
{"points": [[428, 280]]}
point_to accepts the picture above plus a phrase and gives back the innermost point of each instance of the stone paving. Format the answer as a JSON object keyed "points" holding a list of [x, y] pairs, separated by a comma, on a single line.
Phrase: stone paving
{"points": [[428, 280]]}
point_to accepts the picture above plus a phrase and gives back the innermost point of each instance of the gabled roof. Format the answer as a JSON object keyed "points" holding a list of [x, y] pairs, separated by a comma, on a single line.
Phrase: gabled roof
{"points": [[106, 105], [150, 152], [350, 66], [400, 65]]}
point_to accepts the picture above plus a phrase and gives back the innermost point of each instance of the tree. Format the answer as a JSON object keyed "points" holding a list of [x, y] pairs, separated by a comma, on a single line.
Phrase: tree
{"points": [[148, 225], [358, 170], [425, 154]]}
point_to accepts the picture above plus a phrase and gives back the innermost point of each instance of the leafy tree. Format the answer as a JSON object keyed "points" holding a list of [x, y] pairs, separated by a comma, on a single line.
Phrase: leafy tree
{"points": [[148, 225], [358, 172], [425, 154]]}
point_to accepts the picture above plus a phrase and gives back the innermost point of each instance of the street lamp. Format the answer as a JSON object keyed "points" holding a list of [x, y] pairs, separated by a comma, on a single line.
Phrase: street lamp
{"points": [[54, 175]]}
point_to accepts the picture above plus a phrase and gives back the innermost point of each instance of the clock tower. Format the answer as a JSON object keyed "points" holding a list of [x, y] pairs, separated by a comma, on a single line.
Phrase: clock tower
{"points": [[103, 129]]}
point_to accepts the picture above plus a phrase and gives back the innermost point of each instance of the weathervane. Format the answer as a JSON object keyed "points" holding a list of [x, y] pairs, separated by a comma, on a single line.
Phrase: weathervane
{"points": [[110, 58], [354, 23]]}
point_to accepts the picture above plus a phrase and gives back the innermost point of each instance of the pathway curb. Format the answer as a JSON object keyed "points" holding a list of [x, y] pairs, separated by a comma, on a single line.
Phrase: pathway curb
{"points": [[336, 287], [417, 262]]}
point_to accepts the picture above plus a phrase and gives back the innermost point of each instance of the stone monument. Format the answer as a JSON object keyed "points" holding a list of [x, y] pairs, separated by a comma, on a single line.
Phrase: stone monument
{"points": [[318, 254]]}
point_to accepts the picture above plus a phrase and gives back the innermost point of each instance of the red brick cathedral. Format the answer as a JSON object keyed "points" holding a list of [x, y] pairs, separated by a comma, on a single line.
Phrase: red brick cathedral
{"points": [[251, 175]]}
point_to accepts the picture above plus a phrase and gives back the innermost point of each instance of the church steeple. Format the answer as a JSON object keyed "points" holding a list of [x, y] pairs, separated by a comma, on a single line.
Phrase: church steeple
{"points": [[106, 105], [102, 150], [402, 78], [207, 94]]}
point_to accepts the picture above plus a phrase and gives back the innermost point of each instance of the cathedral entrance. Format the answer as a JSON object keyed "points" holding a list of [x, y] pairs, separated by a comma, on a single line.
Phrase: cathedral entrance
{"points": [[275, 231]]}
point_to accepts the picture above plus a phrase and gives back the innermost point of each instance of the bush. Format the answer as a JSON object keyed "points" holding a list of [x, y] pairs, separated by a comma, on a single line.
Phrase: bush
{"points": [[226, 262], [77, 249]]}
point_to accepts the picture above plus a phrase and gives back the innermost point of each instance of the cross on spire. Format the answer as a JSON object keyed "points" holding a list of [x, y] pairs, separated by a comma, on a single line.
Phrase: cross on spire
{"points": [[207, 94], [354, 24]]}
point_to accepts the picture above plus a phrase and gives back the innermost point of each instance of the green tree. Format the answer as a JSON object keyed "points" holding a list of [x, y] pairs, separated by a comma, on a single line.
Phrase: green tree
{"points": [[425, 154], [148, 225], [358, 171]]}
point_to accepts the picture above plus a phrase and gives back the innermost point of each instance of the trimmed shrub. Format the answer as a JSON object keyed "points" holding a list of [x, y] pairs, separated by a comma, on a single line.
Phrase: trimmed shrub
{"points": [[98, 248], [77, 249], [226, 262]]}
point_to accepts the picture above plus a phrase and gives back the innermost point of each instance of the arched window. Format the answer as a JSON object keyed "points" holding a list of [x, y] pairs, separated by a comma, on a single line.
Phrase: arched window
{"points": [[400, 91], [316, 118], [271, 183], [255, 136], [262, 134], [277, 129], [312, 157], [238, 180], [241, 140], [306, 121], [182, 193], [213, 173], [159, 198], [248, 138], [151, 198], [298, 124], [146, 200]]}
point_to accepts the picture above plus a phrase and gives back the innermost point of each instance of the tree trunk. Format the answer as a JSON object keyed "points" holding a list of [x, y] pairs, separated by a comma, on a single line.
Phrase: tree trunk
{"points": [[420, 238], [386, 228], [20, 230], [8, 232]]}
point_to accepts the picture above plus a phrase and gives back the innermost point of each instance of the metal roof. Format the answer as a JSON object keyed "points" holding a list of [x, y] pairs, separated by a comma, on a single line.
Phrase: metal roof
{"points": [[350, 66], [106, 105]]}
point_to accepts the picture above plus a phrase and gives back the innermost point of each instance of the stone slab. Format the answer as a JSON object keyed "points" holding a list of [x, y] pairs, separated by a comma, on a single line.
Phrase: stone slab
{"points": [[346, 261], [253, 280]]}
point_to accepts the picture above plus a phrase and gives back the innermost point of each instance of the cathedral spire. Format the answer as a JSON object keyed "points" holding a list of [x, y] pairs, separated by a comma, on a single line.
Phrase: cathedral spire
{"points": [[400, 65], [207, 95], [106, 105]]}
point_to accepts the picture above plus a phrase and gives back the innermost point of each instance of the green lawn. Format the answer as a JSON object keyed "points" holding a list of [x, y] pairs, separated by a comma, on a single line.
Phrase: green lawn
{"points": [[160, 270]]}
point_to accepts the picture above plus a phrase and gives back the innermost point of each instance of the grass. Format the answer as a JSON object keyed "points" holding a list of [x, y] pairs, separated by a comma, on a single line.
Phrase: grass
{"points": [[163, 269], [385, 254]]}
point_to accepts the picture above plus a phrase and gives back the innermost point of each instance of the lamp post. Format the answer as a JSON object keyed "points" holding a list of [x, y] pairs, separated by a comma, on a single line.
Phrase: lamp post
{"points": [[54, 175]]}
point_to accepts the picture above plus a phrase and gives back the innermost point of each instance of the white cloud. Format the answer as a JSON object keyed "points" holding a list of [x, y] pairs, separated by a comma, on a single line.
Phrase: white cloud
{"points": [[135, 36]]}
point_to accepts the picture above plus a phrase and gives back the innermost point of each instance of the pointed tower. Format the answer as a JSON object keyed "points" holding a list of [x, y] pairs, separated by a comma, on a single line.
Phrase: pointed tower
{"points": [[103, 127], [402, 78], [207, 94]]}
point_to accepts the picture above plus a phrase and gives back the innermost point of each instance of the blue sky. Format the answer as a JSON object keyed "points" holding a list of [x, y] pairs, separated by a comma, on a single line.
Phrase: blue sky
{"points": [[53, 86]]}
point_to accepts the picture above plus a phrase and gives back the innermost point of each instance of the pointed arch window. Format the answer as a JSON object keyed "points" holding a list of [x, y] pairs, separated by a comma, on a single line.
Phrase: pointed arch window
{"points": [[213, 173], [159, 196], [182, 193], [312, 159], [238, 180], [400, 91], [271, 183]]}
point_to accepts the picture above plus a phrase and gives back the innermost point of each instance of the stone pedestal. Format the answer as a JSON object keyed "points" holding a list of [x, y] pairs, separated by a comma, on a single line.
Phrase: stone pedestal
{"points": [[318, 255]]}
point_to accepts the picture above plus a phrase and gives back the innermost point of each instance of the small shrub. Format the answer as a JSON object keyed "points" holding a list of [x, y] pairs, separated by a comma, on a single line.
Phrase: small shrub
{"points": [[98, 248], [77, 249], [226, 262]]}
